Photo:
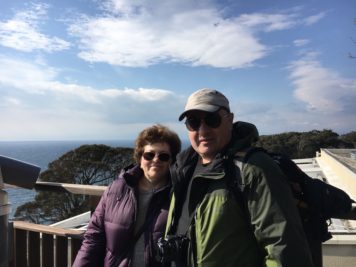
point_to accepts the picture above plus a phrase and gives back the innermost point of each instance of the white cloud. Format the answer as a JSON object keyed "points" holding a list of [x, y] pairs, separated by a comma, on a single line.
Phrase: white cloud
{"points": [[22, 32], [11, 101], [24, 75], [314, 19], [132, 33], [141, 94], [301, 42], [269, 22], [32, 96], [41, 79], [322, 89], [157, 8], [274, 118], [324, 99]]}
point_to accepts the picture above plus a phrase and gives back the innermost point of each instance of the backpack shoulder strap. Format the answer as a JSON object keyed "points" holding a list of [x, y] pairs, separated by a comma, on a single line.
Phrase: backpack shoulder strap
{"points": [[241, 157], [235, 181], [234, 177], [250, 151]]}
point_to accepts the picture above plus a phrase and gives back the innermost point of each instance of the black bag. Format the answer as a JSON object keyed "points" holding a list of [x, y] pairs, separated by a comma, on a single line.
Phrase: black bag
{"points": [[317, 201]]}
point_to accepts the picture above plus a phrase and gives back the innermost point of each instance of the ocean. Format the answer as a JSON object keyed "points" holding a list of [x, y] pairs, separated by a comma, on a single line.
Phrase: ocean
{"points": [[41, 153]]}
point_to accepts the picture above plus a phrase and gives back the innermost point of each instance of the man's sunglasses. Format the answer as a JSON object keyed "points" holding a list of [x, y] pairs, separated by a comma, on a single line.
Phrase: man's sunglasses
{"points": [[161, 156], [212, 120]]}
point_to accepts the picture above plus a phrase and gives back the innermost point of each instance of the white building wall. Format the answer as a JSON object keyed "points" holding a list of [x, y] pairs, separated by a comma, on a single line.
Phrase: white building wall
{"points": [[337, 173], [340, 251]]}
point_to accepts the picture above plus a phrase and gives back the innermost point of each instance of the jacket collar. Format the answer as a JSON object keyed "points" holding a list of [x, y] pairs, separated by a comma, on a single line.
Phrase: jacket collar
{"points": [[133, 173]]}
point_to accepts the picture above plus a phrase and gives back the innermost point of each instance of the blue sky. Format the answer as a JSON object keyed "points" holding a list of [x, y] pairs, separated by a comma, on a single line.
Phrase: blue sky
{"points": [[90, 69]]}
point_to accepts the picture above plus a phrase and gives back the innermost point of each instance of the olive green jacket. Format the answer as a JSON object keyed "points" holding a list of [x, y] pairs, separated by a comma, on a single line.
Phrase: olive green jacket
{"points": [[263, 229]]}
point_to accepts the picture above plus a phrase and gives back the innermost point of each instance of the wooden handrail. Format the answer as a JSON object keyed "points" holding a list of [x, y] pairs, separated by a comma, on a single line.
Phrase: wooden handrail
{"points": [[79, 189], [46, 229]]}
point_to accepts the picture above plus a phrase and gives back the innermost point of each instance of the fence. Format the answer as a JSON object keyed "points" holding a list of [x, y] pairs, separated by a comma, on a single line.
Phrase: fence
{"points": [[35, 245]]}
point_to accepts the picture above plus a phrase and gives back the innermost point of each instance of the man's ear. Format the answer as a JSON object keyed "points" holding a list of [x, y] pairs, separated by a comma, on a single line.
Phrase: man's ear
{"points": [[231, 116]]}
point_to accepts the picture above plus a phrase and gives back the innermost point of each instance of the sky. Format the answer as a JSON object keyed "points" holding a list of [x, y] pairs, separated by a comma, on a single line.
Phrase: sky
{"points": [[106, 69]]}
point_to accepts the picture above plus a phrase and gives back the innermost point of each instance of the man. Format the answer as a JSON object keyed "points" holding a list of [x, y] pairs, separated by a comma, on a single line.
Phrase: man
{"points": [[262, 228]]}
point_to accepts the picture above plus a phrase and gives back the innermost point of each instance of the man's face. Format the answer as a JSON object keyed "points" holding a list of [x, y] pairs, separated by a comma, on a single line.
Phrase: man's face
{"points": [[207, 136]]}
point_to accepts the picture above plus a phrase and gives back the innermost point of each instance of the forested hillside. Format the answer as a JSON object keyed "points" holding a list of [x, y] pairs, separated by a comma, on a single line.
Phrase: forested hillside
{"points": [[305, 144]]}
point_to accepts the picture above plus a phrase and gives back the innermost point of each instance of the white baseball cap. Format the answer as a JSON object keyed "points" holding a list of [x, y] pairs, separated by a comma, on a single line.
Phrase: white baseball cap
{"points": [[208, 100]]}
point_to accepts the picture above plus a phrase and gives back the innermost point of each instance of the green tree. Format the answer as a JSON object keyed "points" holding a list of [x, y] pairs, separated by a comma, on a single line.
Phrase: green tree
{"points": [[286, 143], [88, 164], [305, 144], [349, 138]]}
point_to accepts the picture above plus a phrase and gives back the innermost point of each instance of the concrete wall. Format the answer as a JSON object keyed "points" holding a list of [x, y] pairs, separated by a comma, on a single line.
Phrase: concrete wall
{"points": [[337, 173], [340, 251]]}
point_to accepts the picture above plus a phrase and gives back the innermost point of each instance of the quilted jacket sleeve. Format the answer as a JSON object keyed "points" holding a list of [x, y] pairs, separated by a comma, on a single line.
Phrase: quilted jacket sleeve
{"points": [[92, 251]]}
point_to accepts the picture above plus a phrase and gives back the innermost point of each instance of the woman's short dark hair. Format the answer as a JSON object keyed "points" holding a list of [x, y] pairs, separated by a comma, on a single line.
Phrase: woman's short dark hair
{"points": [[156, 134]]}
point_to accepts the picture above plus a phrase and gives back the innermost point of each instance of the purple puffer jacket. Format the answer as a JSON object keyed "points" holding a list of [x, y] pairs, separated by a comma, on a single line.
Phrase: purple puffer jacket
{"points": [[111, 226]]}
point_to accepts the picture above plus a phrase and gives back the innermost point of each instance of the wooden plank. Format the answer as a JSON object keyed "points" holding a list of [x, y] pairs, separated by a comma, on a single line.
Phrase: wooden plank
{"points": [[46, 229], [61, 251], [93, 190], [34, 245], [47, 250], [20, 248]]}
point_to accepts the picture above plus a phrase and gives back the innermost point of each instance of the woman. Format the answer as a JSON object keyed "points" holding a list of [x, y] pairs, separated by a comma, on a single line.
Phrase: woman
{"points": [[132, 213]]}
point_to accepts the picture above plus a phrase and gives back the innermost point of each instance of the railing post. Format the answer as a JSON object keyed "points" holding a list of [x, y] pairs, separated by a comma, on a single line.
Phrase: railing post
{"points": [[5, 209]]}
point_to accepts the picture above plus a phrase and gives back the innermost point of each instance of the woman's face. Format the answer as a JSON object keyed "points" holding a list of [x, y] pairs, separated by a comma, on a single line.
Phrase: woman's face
{"points": [[155, 162]]}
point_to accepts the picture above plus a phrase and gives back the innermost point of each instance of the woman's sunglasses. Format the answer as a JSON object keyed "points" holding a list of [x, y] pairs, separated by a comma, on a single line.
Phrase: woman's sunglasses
{"points": [[161, 156], [212, 120]]}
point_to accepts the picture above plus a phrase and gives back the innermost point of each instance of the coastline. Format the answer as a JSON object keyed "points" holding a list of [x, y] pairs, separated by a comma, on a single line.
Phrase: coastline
{"points": [[6, 186]]}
